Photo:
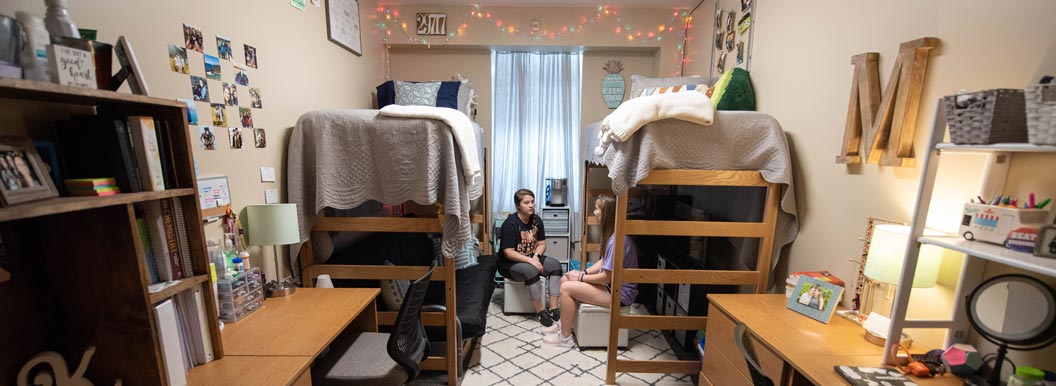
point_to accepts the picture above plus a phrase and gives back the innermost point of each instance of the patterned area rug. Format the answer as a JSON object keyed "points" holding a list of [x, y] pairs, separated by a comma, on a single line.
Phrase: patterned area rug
{"points": [[513, 353]]}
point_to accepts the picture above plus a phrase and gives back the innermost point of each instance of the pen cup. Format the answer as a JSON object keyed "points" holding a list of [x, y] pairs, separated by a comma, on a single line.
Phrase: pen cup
{"points": [[323, 281]]}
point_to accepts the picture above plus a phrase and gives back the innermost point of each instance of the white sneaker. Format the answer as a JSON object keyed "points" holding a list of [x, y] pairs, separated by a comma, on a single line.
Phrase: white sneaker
{"points": [[555, 328], [556, 340]]}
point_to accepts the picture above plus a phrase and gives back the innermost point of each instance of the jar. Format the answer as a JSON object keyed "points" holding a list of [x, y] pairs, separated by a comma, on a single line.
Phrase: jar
{"points": [[1026, 376], [237, 264]]}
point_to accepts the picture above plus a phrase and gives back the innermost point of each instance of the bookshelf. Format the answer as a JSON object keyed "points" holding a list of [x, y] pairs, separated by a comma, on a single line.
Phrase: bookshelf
{"points": [[78, 273]]}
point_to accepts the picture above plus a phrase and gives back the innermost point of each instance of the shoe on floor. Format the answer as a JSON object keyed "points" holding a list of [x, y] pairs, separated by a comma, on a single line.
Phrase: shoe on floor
{"points": [[555, 314], [556, 340], [544, 318], [556, 328]]}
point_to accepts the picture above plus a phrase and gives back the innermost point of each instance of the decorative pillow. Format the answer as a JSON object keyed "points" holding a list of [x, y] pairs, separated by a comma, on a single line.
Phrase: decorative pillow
{"points": [[393, 291], [465, 99], [467, 255], [701, 88], [416, 94], [639, 82], [447, 96], [386, 94], [734, 92]]}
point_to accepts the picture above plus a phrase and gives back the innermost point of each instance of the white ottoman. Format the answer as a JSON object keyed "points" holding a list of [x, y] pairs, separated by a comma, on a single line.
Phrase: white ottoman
{"points": [[592, 326], [515, 298]]}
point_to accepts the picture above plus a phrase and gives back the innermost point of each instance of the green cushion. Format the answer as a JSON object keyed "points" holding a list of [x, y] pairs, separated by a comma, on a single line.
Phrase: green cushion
{"points": [[738, 94]]}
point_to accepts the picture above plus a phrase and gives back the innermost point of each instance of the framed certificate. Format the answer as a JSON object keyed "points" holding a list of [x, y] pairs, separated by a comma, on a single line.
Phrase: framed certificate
{"points": [[342, 24]]}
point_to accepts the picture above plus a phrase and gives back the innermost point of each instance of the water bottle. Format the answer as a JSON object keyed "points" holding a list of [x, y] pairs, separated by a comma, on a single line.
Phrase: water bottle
{"points": [[1026, 376], [58, 22], [35, 52]]}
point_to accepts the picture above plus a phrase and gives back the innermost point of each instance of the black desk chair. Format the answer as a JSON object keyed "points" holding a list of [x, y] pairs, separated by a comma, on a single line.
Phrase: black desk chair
{"points": [[371, 358], [740, 334]]}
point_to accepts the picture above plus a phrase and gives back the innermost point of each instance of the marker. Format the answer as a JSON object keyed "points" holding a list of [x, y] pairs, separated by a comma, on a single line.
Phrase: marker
{"points": [[1031, 199], [1043, 203], [997, 200], [1007, 200], [981, 200]]}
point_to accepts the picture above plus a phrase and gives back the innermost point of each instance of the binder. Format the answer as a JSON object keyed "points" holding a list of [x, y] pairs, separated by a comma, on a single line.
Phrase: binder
{"points": [[169, 339], [193, 302], [148, 154], [182, 242]]}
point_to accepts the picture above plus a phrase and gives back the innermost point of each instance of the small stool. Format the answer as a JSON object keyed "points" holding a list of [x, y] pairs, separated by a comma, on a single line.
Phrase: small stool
{"points": [[592, 326], [516, 298]]}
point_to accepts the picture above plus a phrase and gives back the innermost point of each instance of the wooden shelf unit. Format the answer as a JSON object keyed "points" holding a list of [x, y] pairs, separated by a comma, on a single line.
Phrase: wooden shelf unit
{"points": [[78, 273]]}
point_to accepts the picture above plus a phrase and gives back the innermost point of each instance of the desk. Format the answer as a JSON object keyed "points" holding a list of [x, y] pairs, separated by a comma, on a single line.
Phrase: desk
{"points": [[791, 348], [276, 344]]}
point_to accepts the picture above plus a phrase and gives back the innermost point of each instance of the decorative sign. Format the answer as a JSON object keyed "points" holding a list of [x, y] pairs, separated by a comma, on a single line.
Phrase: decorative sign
{"points": [[59, 375], [432, 23], [342, 24], [71, 66]]}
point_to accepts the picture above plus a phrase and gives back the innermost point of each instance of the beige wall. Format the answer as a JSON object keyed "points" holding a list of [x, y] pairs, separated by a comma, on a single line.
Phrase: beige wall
{"points": [[801, 72], [424, 64], [299, 69]]}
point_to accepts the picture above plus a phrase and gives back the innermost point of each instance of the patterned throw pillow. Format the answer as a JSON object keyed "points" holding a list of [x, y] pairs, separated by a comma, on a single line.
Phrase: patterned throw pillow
{"points": [[701, 88], [416, 94], [466, 256], [393, 291]]}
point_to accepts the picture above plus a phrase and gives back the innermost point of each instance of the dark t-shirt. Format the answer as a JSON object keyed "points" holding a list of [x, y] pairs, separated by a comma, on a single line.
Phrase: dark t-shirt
{"points": [[520, 236]]}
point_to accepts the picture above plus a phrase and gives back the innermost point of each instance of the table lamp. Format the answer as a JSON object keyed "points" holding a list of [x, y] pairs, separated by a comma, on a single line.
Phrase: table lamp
{"points": [[274, 225], [883, 266]]}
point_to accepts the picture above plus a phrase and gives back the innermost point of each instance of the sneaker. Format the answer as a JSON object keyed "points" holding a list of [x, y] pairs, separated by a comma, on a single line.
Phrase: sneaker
{"points": [[544, 318], [555, 314], [556, 340], [556, 328]]}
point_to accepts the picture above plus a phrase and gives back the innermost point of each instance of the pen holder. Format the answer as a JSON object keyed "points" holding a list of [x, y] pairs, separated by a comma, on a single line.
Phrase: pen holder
{"points": [[1015, 228]]}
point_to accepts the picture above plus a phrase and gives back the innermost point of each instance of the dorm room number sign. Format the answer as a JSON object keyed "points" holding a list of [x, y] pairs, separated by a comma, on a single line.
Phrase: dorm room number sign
{"points": [[432, 23]]}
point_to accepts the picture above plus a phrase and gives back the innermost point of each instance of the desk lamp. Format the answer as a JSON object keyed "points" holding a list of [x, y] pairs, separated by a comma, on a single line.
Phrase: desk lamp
{"points": [[274, 225], [883, 267]]}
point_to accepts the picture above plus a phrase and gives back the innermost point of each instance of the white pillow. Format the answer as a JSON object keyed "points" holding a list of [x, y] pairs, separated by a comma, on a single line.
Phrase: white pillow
{"points": [[639, 82]]}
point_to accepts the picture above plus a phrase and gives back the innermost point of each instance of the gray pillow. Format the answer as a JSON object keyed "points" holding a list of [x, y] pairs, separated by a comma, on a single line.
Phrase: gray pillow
{"points": [[416, 94], [639, 82], [465, 99]]}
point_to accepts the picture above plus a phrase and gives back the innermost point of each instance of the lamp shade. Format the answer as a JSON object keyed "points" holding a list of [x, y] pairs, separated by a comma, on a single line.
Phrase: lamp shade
{"points": [[272, 224], [887, 250]]}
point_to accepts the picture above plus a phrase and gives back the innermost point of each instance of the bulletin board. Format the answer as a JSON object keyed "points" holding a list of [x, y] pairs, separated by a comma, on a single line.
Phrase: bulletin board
{"points": [[731, 43]]}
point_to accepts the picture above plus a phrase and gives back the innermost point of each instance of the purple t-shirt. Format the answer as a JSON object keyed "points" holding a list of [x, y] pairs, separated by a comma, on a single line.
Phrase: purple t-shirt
{"points": [[628, 291]]}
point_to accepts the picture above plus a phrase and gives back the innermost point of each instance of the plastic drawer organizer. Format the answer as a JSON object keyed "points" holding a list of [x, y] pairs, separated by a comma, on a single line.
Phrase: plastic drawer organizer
{"points": [[240, 295]]}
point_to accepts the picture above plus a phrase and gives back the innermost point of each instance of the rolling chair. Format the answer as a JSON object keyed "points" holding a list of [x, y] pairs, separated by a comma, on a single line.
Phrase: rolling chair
{"points": [[740, 335], [371, 358]]}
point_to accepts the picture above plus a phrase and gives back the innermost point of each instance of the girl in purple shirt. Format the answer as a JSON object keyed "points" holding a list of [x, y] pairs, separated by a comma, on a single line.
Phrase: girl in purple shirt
{"points": [[592, 286]]}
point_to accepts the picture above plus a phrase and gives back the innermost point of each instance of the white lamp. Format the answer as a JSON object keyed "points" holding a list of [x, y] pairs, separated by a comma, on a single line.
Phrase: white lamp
{"points": [[887, 250], [272, 224]]}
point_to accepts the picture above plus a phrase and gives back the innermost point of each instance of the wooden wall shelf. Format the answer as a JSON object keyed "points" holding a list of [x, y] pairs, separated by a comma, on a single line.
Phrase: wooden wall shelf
{"points": [[72, 204]]}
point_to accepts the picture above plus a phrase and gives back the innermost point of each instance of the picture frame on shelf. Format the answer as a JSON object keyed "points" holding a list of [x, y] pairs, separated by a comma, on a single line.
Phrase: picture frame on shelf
{"points": [[815, 298], [126, 58], [342, 25], [23, 177]]}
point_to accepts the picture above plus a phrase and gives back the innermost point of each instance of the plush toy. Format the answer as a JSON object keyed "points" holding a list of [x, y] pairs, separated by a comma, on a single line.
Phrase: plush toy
{"points": [[962, 359], [733, 91]]}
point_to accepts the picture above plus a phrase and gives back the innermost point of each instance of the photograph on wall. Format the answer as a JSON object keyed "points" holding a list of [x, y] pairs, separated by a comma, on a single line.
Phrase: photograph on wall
{"points": [[744, 23], [192, 38], [219, 114], [223, 47], [251, 56], [199, 89], [178, 60], [258, 139], [212, 67], [740, 52], [746, 5], [730, 38], [729, 20], [234, 135], [245, 115], [254, 98], [207, 138], [718, 19], [721, 64], [192, 111], [241, 77], [230, 94], [719, 37]]}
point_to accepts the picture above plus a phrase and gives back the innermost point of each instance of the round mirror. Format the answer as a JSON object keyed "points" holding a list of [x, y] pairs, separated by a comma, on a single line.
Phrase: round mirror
{"points": [[1016, 310]]}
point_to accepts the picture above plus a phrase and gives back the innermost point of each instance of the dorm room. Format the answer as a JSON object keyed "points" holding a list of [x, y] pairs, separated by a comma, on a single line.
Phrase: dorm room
{"points": [[678, 163]]}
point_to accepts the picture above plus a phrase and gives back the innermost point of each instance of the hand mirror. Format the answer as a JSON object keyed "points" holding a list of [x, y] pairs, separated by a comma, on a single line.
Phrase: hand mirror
{"points": [[1013, 311]]}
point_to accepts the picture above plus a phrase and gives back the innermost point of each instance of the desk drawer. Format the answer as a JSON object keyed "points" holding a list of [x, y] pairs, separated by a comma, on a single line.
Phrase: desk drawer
{"points": [[704, 380], [305, 379], [557, 247], [720, 336], [719, 370]]}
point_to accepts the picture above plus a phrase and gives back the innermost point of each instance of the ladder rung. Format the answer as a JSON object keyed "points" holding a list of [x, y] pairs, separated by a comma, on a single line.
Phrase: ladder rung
{"points": [[696, 228], [688, 276]]}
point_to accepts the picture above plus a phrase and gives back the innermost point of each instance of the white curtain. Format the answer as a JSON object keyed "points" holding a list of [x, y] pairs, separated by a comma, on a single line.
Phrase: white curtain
{"points": [[536, 131]]}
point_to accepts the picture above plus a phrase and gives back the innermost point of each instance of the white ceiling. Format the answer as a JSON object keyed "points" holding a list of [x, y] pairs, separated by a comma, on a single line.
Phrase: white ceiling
{"points": [[668, 4]]}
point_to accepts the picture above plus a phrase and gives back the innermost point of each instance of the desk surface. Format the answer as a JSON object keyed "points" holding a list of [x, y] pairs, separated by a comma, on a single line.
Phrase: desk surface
{"points": [[811, 347], [302, 324], [249, 370]]}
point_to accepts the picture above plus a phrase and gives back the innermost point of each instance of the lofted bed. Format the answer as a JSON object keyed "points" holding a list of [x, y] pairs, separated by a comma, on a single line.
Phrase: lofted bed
{"points": [[744, 150], [345, 159]]}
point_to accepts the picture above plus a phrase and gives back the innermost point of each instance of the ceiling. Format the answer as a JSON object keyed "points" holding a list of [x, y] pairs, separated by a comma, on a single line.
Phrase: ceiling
{"points": [[666, 4]]}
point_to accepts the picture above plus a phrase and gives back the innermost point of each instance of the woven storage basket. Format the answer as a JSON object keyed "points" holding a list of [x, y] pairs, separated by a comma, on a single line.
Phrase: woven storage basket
{"points": [[1041, 113], [989, 116]]}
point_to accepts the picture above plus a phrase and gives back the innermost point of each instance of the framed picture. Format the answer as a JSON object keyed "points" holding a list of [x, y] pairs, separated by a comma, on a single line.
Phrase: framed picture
{"points": [[23, 177], [1046, 246], [129, 68], [342, 24], [815, 298]]}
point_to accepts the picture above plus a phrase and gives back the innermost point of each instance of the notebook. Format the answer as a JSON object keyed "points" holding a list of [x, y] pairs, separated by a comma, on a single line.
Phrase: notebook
{"points": [[869, 376]]}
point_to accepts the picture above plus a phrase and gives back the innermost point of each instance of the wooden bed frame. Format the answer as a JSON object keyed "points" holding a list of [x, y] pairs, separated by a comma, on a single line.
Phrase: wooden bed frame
{"points": [[446, 273], [759, 278]]}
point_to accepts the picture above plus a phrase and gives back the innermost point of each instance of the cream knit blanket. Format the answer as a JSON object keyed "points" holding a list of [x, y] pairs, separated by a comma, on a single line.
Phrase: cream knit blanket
{"points": [[461, 128], [635, 113]]}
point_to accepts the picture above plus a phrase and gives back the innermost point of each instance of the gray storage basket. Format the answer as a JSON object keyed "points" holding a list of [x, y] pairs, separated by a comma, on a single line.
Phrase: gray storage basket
{"points": [[989, 116], [1041, 113]]}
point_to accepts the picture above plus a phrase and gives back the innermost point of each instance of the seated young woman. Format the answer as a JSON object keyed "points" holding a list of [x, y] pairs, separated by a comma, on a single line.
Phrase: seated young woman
{"points": [[521, 248], [593, 285]]}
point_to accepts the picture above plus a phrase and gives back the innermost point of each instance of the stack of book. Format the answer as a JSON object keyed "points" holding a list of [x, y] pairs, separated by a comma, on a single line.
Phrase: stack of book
{"points": [[793, 279], [92, 187]]}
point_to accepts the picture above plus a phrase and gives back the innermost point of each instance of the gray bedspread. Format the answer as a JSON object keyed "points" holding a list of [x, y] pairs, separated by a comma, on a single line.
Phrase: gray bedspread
{"points": [[735, 141], [344, 158]]}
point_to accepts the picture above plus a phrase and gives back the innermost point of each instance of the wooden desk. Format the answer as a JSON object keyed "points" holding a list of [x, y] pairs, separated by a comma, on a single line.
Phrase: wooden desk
{"points": [[792, 349], [276, 344]]}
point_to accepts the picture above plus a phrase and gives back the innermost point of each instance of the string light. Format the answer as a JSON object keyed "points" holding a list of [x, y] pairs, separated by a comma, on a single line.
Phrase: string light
{"points": [[645, 37]]}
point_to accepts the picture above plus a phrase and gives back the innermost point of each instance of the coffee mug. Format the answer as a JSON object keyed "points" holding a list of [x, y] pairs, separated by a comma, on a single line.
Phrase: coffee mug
{"points": [[323, 281]]}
